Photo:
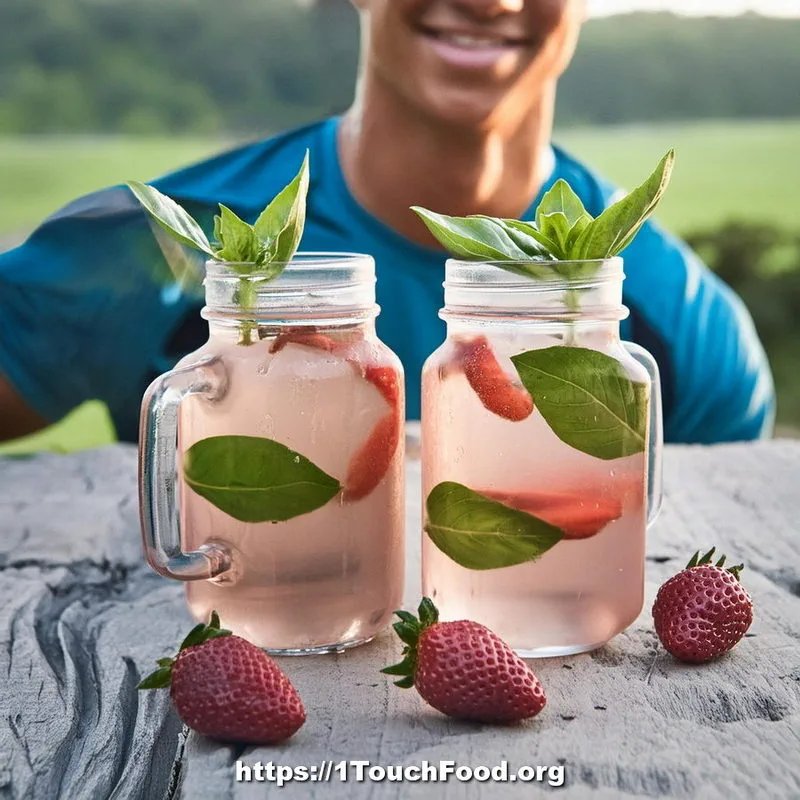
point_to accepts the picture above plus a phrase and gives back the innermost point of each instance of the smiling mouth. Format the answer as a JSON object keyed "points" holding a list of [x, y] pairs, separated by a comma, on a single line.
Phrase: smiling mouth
{"points": [[473, 41]]}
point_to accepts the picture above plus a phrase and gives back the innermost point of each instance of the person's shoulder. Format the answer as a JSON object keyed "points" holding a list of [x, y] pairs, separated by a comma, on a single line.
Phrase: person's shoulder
{"points": [[246, 174]]}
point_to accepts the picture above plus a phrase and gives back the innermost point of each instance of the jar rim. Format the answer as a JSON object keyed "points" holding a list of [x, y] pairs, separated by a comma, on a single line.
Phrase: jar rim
{"points": [[497, 273], [547, 290], [307, 260]]}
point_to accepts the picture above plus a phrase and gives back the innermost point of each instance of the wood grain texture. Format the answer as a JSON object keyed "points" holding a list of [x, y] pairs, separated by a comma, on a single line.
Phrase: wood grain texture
{"points": [[81, 618]]}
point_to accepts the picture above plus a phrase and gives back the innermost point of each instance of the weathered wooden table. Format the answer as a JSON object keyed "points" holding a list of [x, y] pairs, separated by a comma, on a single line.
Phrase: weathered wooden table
{"points": [[82, 618]]}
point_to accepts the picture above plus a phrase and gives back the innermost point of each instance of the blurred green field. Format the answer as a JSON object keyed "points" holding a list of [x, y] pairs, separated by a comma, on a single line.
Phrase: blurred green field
{"points": [[736, 170], [723, 170], [748, 170], [39, 175]]}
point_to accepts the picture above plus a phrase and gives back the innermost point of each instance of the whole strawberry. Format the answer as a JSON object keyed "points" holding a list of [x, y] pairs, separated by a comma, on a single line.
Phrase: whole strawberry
{"points": [[703, 611], [464, 670], [226, 688]]}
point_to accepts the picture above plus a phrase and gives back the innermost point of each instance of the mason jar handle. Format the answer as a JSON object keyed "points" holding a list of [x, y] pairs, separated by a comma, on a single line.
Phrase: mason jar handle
{"points": [[656, 437], [158, 478]]}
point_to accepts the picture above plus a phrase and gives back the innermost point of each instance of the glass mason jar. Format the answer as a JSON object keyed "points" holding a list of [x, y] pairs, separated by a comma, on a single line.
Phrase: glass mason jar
{"points": [[538, 471], [271, 460]]}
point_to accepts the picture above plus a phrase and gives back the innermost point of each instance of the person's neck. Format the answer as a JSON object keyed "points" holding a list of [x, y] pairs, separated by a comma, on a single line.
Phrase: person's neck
{"points": [[393, 157]]}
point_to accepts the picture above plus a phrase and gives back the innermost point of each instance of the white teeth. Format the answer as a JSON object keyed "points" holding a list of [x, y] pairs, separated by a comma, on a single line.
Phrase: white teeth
{"points": [[464, 40]]}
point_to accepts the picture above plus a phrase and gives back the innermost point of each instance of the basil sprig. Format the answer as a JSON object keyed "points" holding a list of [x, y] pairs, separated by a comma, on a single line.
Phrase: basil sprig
{"points": [[257, 252], [249, 249], [562, 231]]}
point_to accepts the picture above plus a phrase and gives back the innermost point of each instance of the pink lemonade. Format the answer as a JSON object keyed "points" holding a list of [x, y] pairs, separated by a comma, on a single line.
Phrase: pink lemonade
{"points": [[590, 585], [327, 579]]}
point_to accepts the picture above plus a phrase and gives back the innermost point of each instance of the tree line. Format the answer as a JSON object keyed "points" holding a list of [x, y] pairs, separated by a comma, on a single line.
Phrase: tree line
{"points": [[762, 264], [247, 66]]}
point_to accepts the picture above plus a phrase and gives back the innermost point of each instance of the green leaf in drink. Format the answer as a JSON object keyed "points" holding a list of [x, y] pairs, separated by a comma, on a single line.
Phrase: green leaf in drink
{"points": [[171, 217], [562, 231], [273, 239], [283, 220], [238, 240], [479, 533], [561, 198], [475, 238], [526, 236], [258, 252], [616, 227], [587, 399], [254, 479]]}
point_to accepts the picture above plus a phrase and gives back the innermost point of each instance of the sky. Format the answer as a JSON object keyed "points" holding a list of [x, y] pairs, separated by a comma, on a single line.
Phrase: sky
{"points": [[698, 7]]}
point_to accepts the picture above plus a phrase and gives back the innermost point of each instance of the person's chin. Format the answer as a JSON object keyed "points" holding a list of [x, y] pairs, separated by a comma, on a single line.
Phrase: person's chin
{"points": [[462, 108]]}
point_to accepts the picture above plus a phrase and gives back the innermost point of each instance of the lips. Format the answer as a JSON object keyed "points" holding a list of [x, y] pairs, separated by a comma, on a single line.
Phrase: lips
{"points": [[472, 40], [471, 49]]}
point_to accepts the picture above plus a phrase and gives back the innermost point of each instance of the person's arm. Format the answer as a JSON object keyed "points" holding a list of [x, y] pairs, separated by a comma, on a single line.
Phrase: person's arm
{"points": [[17, 418], [726, 391], [83, 314], [717, 382]]}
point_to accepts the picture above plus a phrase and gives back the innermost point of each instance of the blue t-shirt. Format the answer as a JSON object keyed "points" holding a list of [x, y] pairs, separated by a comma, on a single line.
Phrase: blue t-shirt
{"points": [[82, 315]]}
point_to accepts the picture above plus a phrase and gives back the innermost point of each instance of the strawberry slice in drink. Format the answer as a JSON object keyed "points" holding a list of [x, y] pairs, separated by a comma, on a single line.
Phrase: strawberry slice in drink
{"points": [[311, 337], [579, 516], [385, 381], [499, 393], [372, 460]]}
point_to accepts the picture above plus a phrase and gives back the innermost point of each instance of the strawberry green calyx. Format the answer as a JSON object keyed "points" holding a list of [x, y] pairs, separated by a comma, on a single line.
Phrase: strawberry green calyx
{"points": [[698, 561], [201, 633], [409, 629]]}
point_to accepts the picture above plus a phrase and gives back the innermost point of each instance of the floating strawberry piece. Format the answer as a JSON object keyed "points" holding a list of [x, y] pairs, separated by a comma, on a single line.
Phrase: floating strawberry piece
{"points": [[703, 611], [226, 688], [386, 381], [499, 394], [578, 516], [372, 460], [464, 670], [307, 338]]}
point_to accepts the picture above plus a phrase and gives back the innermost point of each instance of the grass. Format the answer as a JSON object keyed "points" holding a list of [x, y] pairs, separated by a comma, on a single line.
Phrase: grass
{"points": [[745, 170], [39, 175]]}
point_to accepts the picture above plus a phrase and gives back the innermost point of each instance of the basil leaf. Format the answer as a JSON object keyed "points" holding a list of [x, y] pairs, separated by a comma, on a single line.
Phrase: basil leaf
{"points": [[217, 230], [547, 246], [587, 399], [471, 238], [479, 533], [256, 480], [557, 228], [616, 227], [531, 267], [282, 221], [170, 216], [577, 229], [561, 217], [239, 242], [561, 198], [524, 235]]}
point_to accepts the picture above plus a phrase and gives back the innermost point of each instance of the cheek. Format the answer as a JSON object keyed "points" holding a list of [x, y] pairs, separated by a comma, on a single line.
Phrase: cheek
{"points": [[547, 16], [557, 23]]}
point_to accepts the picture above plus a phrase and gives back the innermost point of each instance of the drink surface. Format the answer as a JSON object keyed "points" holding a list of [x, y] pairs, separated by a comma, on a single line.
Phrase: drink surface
{"points": [[586, 588], [326, 579]]}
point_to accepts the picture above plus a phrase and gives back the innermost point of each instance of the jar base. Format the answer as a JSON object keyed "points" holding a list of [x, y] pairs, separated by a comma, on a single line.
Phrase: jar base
{"points": [[322, 650], [558, 650]]}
